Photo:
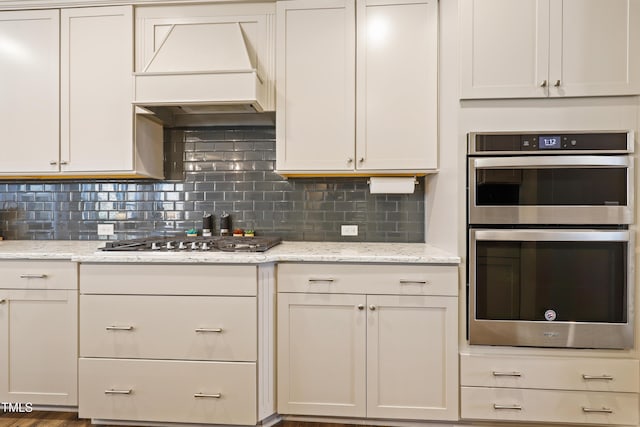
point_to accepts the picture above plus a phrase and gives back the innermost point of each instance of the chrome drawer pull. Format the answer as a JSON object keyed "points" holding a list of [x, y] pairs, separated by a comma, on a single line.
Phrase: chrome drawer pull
{"points": [[209, 330], [2, 301], [597, 377], [119, 328], [210, 396], [602, 410], [508, 407], [417, 282], [506, 374], [33, 276], [320, 280], [112, 391]]}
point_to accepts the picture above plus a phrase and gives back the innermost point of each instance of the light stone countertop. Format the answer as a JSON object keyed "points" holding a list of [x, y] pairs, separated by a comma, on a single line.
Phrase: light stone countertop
{"points": [[87, 251]]}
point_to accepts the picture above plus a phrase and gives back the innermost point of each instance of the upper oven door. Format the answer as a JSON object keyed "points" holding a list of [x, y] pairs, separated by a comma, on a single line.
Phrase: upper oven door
{"points": [[578, 189]]}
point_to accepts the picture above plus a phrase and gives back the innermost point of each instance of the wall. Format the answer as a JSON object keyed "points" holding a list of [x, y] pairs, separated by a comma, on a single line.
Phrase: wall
{"points": [[212, 170]]}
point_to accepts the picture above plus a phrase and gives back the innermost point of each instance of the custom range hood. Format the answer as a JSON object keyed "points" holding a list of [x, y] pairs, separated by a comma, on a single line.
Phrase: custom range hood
{"points": [[203, 68]]}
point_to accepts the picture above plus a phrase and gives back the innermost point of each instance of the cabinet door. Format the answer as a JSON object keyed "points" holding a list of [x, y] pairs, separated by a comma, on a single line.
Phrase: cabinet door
{"points": [[39, 346], [321, 354], [595, 47], [397, 84], [412, 357], [96, 82], [504, 48], [315, 69], [29, 91]]}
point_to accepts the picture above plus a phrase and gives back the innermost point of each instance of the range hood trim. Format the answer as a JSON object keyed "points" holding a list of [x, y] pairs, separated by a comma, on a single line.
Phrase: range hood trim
{"points": [[200, 89]]}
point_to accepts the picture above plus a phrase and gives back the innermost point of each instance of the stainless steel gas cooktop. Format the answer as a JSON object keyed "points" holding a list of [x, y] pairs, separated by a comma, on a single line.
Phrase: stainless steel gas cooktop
{"points": [[200, 244]]}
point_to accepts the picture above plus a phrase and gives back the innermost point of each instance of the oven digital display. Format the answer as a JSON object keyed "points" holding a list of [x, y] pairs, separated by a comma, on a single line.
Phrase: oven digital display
{"points": [[548, 142]]}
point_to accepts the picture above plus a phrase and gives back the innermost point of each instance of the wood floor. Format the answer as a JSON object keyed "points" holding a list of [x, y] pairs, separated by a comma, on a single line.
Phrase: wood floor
{"points": [[70, 419], [42, 419]]}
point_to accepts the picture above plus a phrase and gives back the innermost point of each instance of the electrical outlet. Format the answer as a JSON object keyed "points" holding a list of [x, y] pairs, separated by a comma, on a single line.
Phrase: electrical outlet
{"points": [[349, 230], [105, 230]]}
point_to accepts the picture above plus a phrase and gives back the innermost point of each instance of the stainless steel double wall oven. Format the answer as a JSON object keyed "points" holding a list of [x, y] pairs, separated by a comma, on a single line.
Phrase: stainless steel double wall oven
{"points": [[551, 256]]}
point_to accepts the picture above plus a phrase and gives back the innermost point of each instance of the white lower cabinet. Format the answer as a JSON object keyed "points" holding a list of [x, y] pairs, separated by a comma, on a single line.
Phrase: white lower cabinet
{"points": [[169, 390], [363, 355], [198, 351], [39, 332], [550, 389]]}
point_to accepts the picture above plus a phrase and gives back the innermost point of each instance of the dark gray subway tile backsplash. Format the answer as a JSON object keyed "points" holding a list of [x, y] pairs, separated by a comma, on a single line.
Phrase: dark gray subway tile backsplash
{"points": [[211, 170]]}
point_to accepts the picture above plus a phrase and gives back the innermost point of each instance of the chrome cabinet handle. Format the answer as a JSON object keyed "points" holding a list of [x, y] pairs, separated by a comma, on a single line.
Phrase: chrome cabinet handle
{"points": [[506, 374], [119, 328], [372, 307], [53, 163], [361, 159], [329, 280], [33, 276], [418, 282], [112, 391], [3, 301], [602, 410], [360, 306], [210, 396], [543, 84], [209, 330], [63, 162], [507, 407], [557, 83], [597, 377], [349, 160]]}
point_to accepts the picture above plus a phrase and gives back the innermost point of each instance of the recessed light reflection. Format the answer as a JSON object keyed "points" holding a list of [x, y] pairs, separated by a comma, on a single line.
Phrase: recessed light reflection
{"points": [[378, 30], [13, 50]]}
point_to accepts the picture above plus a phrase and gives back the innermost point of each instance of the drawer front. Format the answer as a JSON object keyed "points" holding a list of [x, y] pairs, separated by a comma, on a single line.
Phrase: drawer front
{"points": [[380, 279], [38, 274], [168, 327], [172, 279], [588, 374], [576, 407], [168, 391]]}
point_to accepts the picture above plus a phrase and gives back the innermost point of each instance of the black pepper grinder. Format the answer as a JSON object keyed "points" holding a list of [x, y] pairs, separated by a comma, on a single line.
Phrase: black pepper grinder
{"points": [[207, 225], [225, 224]]}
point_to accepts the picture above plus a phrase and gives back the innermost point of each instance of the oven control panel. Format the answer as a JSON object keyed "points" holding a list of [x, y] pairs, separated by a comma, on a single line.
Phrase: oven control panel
{"points": [[550, 142]]}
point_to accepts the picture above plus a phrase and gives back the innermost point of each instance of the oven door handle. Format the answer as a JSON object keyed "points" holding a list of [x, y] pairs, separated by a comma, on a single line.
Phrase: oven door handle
{"points": [[546, 162], [537, 235]]}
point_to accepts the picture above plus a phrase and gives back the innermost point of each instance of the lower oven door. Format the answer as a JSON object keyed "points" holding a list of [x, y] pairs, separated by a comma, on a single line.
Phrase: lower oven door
{"points": [[551, 288]]}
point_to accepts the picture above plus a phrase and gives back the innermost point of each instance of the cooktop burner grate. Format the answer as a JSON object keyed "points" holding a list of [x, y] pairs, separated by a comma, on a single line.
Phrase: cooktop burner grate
{"points": [[199, 243]]}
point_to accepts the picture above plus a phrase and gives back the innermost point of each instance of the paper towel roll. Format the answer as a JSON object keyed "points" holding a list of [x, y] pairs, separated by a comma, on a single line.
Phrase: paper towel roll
{"points": [[392, 185]]}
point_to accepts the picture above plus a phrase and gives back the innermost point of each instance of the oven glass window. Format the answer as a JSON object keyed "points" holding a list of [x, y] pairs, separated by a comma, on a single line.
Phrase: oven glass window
{"points": [[566, 281], [551, 187]]}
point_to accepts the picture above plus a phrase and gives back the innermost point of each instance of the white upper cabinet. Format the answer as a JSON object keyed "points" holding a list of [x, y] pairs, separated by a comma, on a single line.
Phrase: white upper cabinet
{"points": [[66, 96], [397, 85], [316, 85], [96, 85], [332, 119], [29, 92], [548, 48]]}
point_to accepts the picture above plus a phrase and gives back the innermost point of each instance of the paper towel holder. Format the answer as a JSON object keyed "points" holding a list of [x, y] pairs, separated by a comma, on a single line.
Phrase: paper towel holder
{"points": [[392, 185]]}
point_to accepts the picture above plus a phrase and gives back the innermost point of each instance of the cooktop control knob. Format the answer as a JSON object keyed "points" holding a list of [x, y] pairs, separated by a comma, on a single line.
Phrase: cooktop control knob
{"points": [[205, 246], [155, 246], [194, 246], [170, 245], [182, 246]]}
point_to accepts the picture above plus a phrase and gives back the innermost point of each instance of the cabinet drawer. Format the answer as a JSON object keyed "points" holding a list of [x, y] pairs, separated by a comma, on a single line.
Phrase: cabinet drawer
{"points": [[36, 274], [576, 407], [171, 279], [168, 327], [588, 374], [166, 391], [368, 278]]}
